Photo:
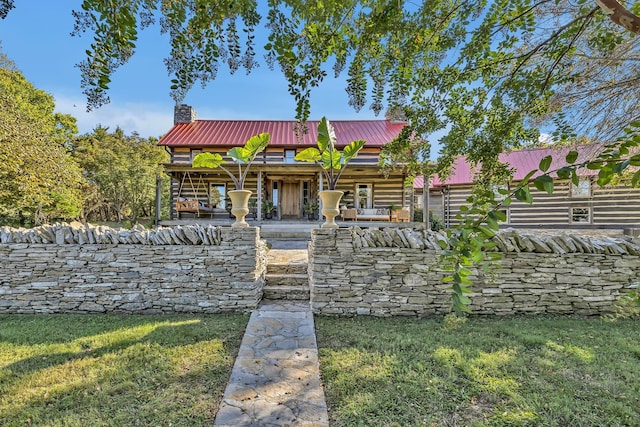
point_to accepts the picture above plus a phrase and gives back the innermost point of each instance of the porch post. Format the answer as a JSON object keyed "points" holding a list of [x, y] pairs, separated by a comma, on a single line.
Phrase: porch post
{"points": [[425, 198], [321, 187], [412, 204], [259, 190], [158, 199]]}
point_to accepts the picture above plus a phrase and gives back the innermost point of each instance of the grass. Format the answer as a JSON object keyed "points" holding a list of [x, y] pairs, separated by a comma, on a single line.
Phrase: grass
{"points": [[108, 370], [489, 372]]}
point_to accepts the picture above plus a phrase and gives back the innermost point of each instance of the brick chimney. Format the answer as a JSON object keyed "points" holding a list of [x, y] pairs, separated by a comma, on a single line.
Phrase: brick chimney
{"points": [[183, 113]]}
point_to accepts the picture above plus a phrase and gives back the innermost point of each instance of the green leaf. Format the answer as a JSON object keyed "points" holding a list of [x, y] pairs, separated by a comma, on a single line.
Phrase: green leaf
{"points": [[478, 257], [528, 176], [544, 183], [207, 160], [524, 195], [239, 154], [564, 172], [635, 180], [310, 154], [464, 272], [492, 223], [572, 156], [594, 165], [545, 163], [351, 150], [256, 144], [604, 176], [326, 135], [486, 231], [575, 179], [331, 159]]}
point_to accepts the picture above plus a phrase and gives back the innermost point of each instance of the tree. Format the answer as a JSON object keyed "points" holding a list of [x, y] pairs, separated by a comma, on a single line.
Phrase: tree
{"points": [[39, 180], [122, 172]]}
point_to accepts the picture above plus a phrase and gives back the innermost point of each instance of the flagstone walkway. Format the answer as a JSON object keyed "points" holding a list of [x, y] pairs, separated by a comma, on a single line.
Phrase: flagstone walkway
{"points": [[276, 377]]}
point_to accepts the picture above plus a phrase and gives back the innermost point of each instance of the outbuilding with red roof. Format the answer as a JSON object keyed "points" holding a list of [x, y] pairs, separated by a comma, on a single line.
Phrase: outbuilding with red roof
{"points": [[586, 205]]}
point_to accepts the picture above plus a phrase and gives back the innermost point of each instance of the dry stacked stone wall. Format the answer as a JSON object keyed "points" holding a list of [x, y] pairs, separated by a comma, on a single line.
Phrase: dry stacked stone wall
{"points": [[393, 272], [82, 268]]}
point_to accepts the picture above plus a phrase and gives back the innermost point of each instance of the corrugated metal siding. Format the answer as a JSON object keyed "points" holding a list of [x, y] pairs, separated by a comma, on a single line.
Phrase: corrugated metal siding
{"points": [[231, 133]]}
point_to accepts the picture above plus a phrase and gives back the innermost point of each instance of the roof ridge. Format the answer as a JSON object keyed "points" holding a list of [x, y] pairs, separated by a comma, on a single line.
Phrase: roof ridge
{"points": [[295, 121]]}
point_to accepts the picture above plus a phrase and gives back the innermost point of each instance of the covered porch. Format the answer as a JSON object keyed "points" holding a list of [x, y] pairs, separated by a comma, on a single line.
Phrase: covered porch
{"points": [[282, 192]]}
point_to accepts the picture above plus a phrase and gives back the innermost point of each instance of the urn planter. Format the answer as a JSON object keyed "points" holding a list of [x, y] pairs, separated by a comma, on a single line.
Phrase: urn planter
{"points": [[239, 206], [330, 206]]}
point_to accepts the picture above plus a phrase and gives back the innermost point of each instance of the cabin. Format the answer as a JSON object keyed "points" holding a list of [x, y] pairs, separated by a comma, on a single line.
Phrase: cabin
{"points": [[283, 188], [582, 206]]}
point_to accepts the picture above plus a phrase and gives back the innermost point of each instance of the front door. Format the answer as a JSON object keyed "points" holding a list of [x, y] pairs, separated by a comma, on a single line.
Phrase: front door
{"points": [[291, 200]]}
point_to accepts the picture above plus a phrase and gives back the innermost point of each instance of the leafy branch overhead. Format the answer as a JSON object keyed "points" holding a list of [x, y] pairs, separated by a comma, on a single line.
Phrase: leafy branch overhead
{"points": [[478, 76]]}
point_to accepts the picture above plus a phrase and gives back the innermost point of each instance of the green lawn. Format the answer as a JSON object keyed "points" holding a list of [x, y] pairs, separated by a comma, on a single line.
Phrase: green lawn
{"points": [[108, 370], [490, 372]]}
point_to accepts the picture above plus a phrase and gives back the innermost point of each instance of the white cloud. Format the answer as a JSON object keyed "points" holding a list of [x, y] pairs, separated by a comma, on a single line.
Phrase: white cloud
{"points": [[545, 138], [145, 119]]}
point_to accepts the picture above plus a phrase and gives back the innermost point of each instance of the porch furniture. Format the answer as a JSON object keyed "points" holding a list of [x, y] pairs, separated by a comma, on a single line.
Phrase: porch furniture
{"points": [[375, 214], [193, 206], [349, 214], [400, 215]]}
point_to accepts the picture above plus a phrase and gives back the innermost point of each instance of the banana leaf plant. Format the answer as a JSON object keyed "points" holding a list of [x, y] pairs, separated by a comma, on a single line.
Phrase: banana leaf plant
{"points": [[241, 155], [331, 160]]}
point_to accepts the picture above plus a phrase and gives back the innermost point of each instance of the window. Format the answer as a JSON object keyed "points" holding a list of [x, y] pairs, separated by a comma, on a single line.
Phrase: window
{"points": [[364, 196], [289, 156], [500, 192], [580, 215], [306, 193], [274, 193], [218, 195], [194, 153], [583, 189], [417, 200]]}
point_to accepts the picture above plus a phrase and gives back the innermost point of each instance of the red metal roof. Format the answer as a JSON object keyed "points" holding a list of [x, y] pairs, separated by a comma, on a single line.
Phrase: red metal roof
{"points": [[201, 133], [523, 162]]}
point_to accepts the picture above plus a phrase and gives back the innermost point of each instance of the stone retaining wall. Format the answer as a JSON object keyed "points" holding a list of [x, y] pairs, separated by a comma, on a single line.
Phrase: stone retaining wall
{"points": [[396, 272], [169, 273]]}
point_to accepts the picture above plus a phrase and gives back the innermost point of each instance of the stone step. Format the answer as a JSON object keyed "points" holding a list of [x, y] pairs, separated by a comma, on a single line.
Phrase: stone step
{"points": [[286, 293], [296, 268], [286, 280]]}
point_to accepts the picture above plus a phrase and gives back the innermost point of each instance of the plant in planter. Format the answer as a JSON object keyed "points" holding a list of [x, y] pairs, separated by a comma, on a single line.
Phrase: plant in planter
{"points": [[333, 163], [267, 208], [242, 156], [310, 209], [253, 207]]}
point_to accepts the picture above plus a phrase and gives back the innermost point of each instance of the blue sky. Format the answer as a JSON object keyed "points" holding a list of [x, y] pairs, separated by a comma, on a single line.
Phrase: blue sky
{"points": [[36, 36]]}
